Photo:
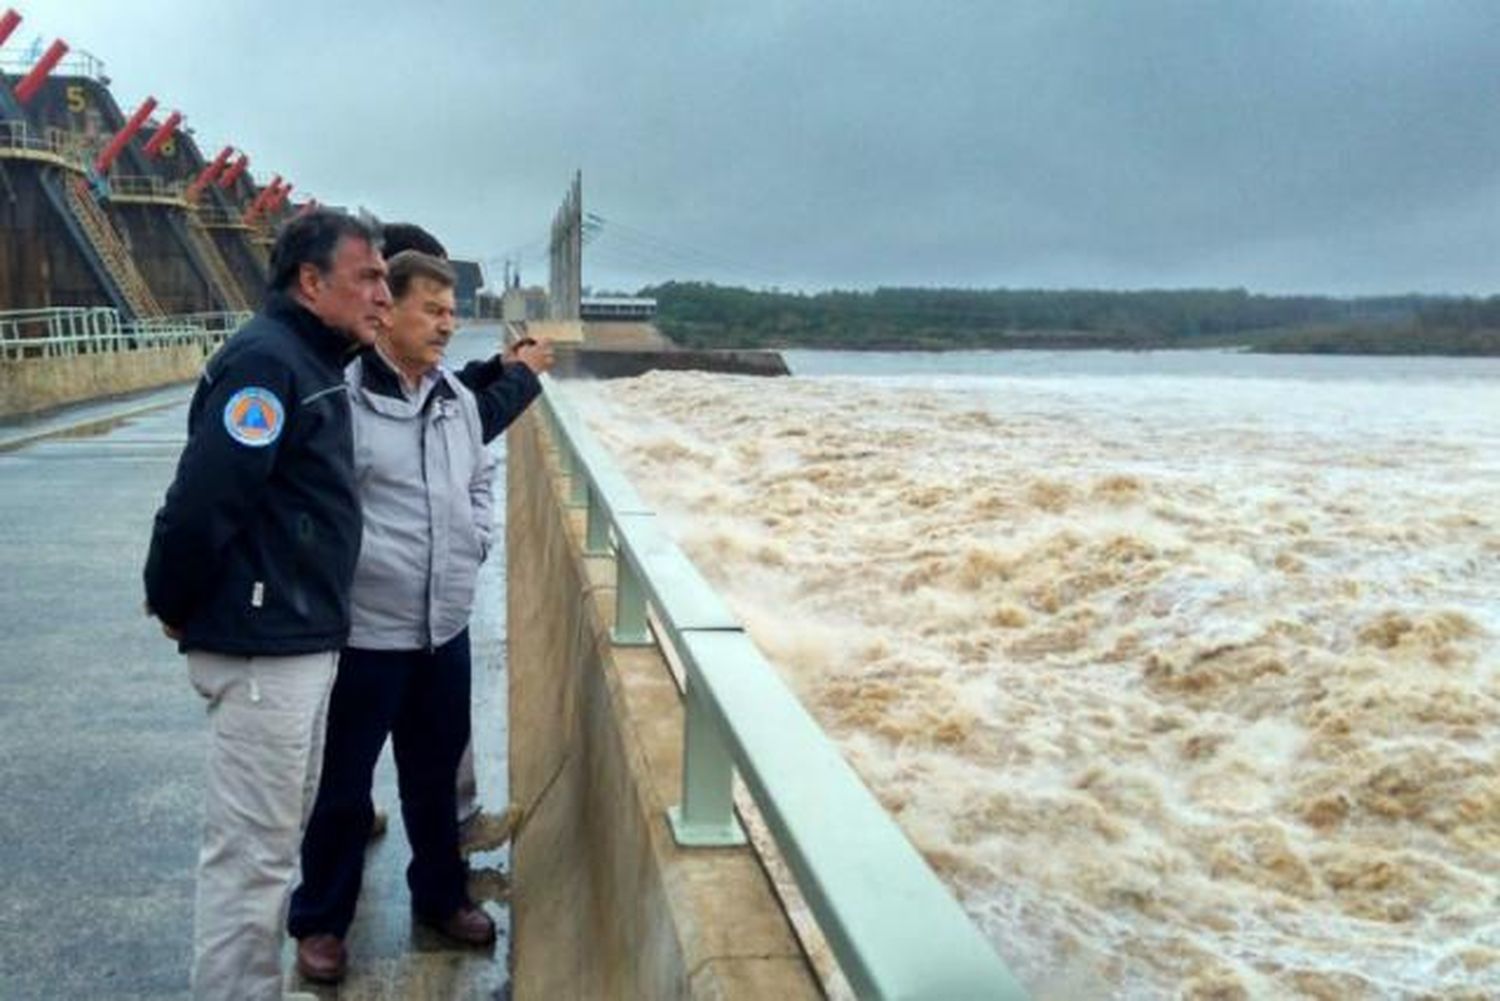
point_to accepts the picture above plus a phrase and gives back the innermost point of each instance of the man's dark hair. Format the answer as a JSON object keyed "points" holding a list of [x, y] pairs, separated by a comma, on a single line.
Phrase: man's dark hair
{"points": [[411, 264], [311, 238], [399, 236]]}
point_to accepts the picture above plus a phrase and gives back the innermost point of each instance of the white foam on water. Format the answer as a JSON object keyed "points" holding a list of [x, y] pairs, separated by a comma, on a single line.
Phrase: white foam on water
{"points": [[1186, 686]]}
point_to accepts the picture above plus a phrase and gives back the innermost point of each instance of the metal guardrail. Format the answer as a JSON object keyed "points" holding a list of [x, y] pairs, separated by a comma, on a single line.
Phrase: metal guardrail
{"points": [[22, 138], [61, 332], [894, 928], [146, 187], [76, 63], [219, 218]]}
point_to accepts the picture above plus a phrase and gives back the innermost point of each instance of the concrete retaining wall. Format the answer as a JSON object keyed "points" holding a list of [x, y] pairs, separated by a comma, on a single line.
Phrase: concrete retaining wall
{"points": [[34, 384], [604, 905]]}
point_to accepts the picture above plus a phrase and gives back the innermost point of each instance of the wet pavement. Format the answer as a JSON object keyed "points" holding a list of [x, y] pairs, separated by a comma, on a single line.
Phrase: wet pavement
{"points": [[102, 742], [93, 417]]}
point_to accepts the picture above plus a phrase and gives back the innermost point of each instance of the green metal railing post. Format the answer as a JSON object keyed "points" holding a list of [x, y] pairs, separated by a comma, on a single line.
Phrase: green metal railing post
{"points": [[596, 538], [706, 816], [630, 628]]}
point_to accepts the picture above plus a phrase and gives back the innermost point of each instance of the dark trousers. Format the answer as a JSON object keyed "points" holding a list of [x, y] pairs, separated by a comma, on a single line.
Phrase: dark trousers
{"points": [[421, 699]]}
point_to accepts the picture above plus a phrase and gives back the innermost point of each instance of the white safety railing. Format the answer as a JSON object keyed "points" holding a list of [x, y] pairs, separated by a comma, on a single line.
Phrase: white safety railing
{"points": [[894, 928], [24, 139], [65, 331], [215, 217], [76, 63], [127, 186]]}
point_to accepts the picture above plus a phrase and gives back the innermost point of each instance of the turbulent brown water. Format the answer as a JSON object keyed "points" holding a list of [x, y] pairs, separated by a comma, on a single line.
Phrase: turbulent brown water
{"points": [[1185, 684]]}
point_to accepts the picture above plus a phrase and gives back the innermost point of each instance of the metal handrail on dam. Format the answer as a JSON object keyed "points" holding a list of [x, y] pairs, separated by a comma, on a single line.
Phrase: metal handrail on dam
{"points": [[76, 63], [21, 140], [893, 927], [136, 187], [63, 331]]}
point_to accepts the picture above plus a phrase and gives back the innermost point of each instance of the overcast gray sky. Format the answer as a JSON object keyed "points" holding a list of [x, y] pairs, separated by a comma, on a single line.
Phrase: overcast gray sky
{"points": [[1342, 147]]}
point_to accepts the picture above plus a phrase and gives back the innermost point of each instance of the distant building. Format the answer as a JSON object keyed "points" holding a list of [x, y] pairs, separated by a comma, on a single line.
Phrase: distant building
{"points": [[466, 293], [487, 306], [520, 304], [617, 308]]}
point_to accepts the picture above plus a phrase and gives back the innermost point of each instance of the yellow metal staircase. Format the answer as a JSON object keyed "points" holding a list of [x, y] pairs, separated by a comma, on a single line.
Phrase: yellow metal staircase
{"points": [[228, 289], [110, 248]]}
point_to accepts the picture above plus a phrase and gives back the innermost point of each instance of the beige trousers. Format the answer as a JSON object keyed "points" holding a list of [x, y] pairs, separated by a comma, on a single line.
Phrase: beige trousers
{"points": [[267, 716]]}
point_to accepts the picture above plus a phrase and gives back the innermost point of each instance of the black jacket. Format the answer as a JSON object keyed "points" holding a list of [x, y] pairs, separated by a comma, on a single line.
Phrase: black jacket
{"points": [[502, 391], [253, 550]]}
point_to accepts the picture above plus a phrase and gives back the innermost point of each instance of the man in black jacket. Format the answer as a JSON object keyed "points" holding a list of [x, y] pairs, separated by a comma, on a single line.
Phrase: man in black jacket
{"points": [[251, 560]]}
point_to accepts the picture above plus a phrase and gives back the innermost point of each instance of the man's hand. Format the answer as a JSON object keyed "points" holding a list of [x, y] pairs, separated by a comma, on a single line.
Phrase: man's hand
{"points": [[536, 355], [508, 356], [171, 634]]}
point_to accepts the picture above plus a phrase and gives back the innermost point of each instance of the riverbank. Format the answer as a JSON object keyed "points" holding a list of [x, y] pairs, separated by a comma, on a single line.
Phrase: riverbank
{"points": [[698, 315]]}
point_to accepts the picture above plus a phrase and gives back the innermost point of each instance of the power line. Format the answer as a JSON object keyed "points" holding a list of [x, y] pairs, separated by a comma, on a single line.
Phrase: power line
{"points": [[618, 244], [677, 250]]}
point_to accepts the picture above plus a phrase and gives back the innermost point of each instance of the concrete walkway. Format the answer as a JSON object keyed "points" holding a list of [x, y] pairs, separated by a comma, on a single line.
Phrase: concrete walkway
{"points": [[102, 740], [88, 418]]}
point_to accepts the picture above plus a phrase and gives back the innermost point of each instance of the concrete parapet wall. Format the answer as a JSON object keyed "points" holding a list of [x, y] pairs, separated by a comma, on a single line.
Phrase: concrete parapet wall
{"points": [[34, 384], [604, 904], [557, 331], [616, 334]]}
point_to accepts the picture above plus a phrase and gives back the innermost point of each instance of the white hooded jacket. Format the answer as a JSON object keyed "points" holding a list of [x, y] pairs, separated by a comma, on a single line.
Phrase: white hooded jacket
{"points": [[425, 485]]}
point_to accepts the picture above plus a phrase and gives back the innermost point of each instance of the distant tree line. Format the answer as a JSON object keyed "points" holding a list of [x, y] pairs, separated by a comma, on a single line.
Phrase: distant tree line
{"points": [[1438, 327], [704, 315]]}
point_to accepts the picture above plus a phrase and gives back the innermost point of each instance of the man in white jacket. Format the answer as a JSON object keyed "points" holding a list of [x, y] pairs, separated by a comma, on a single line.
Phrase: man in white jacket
{"points": [[424, 480], [503, 385]]}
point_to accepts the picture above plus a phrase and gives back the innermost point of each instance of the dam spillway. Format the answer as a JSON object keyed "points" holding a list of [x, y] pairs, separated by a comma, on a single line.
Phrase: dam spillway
{"points": [[133, 232], [1179, 667]]}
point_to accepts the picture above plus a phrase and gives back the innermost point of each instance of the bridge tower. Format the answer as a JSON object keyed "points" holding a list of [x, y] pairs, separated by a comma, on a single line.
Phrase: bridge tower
{"points": [[565, 277]]}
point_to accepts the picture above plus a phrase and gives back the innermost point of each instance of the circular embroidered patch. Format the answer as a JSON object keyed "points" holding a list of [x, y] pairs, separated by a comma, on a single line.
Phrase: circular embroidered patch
{"points": [[254, 417]]}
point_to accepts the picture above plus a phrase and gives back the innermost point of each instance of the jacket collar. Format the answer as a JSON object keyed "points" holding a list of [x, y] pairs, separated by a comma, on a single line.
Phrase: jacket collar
{"points": [[333, 346], [380, 384]]}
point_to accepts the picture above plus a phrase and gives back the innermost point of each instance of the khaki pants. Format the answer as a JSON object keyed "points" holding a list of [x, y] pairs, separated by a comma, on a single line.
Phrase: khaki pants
{"points": [[267, 717]]}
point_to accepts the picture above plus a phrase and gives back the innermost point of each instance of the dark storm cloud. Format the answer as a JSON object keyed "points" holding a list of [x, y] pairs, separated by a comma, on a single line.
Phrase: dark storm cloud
{"points": [[1343, 147]]}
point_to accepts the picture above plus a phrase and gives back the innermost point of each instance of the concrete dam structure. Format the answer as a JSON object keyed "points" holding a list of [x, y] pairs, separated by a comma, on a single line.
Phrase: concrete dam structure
{"points": [[118, 236]]}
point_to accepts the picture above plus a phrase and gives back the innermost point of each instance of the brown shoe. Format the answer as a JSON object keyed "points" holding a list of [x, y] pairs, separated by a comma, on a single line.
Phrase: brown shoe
{"points": [[322, 958], [468, 925]]}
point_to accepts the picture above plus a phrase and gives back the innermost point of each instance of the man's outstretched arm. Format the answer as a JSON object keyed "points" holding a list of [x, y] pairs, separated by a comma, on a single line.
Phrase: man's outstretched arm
{"points": [[504, 388]]}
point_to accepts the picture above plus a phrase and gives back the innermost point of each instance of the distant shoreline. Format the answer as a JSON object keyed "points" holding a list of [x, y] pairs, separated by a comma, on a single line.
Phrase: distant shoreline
{"points": [[1385, 346], [706, 316]]}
